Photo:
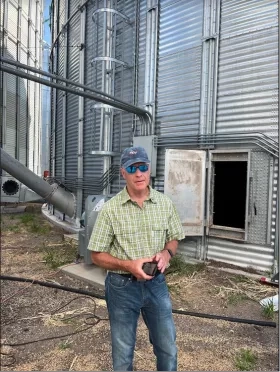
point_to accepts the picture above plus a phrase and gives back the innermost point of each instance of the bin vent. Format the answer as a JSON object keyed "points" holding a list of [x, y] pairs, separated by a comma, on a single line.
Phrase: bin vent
{"points": [[10, 187]]}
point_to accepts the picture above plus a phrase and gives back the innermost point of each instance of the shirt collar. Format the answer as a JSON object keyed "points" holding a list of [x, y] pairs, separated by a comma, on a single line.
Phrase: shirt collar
{"points": [[125, 196]]}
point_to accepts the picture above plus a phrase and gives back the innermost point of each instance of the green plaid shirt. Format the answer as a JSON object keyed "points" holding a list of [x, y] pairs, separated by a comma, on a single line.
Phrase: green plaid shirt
{"points": [[128, 232]]}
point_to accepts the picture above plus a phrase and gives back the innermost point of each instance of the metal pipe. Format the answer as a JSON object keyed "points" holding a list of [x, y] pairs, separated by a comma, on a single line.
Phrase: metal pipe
{"points": [[63, 200], [221, 142], [3, 51], [112, 101], [236, 136], [205, 68], [80, 170], [64, 97], [147, 63], [122, 106], [155, 67], [216, 64], [211, 140]]}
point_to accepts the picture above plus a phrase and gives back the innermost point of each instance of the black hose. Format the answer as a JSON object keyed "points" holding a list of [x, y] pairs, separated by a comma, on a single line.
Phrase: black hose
{"points": [[182, 312], [51, 285], [228, 318]]}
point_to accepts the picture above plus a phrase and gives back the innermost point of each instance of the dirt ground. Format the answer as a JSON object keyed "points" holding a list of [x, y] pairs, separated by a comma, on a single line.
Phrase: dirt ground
{"points": [[45, 329]]}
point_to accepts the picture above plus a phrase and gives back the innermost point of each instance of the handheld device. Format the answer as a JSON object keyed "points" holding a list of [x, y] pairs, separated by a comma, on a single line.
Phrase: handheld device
{"points": [[150, 268]]}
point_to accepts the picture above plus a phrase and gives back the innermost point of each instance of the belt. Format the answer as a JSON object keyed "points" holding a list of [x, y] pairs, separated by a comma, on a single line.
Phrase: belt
{"points": [[133, 278]]}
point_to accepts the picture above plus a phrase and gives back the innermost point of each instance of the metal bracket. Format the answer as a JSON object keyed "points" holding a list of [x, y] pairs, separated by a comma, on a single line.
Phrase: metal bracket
{"points": [[210, 37]]}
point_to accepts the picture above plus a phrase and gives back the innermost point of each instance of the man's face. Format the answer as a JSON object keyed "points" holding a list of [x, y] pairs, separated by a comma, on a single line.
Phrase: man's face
{"points": [[137, 181]]}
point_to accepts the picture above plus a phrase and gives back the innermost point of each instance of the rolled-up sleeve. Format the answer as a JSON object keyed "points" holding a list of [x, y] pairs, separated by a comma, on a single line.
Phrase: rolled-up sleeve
{"points": [[102, 234], [175, 228]]}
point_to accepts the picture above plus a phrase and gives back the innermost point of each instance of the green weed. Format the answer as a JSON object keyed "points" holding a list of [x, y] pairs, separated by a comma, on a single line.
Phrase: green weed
{"points": [[239, 279], [268, 310], [59, 256], [245, 360], [64, 345], [235, 298], [39, 229], [179, 266], [26, 218], [14, 228]]}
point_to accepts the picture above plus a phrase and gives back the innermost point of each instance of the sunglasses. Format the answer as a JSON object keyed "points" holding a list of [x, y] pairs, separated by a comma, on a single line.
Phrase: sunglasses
{"points": [[133, 168]]}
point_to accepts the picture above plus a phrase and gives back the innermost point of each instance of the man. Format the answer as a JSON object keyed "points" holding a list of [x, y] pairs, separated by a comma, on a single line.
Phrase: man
{"points": [[137, 226]]}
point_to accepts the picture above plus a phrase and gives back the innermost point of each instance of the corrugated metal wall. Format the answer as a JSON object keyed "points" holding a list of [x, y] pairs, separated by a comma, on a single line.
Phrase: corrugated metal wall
{"points": [[72, 109], [248, 67], [21, 119], [247, 94], [179, 72], [247, 100]]}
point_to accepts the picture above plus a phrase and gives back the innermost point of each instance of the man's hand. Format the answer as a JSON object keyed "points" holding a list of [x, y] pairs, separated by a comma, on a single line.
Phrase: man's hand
{"points": [[162, 259], [135, 267]]}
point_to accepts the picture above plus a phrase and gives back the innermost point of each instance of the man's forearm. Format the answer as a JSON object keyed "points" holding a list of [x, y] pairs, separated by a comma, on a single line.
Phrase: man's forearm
{"points": [[109, 262], [172, 245]]}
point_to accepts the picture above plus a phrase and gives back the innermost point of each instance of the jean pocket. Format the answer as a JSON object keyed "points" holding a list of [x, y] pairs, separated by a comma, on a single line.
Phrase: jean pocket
{"points": [[118, 281], [159, 279]]}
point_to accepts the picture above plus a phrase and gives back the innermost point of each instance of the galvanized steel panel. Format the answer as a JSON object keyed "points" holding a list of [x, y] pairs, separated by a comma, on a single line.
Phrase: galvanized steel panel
{"points": [[248, 68], [23, 112], [243, 255], [188, 247], [179, 72], [72, 111], [13, 18], [180, 25]]}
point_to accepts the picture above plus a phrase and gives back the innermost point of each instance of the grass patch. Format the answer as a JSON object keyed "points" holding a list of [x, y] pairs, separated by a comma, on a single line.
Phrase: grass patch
{"points": [[64, 345], [59, 255], [34, 227], [239, 279], [268, 310], [14, 228], [27, 218], [235, 298], [245, 360], [180, 267]]}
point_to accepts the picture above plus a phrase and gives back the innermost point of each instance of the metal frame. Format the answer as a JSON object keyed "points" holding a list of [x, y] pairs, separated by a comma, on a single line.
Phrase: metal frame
{"points": [[229, 232]]}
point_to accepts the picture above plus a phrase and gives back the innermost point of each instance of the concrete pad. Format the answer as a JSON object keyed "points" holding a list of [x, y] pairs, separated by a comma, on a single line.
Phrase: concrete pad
{"points": [[10, 210], [88, 273]]}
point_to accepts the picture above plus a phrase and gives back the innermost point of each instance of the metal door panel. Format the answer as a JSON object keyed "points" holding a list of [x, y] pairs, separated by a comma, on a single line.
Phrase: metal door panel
{"points": [[185, 184]]}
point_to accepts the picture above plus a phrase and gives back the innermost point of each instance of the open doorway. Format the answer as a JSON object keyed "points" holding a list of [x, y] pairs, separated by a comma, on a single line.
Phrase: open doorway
{"points": [[230, 184], [229, 194]]}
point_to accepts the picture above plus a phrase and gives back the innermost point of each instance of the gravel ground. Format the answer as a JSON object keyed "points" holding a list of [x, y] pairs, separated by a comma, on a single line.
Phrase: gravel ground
{"points": [[54, 330]]}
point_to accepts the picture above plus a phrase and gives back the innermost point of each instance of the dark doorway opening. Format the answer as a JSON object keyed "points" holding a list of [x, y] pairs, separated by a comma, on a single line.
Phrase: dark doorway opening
{"points": [[230, 184]]}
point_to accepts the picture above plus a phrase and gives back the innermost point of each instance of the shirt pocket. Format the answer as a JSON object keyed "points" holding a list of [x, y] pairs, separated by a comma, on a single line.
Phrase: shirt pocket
{"points": [[159, 232], [129, 240]]}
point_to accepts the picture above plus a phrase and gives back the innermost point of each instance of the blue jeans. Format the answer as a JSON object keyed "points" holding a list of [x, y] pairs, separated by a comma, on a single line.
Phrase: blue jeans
{"points": [[125, 300]]}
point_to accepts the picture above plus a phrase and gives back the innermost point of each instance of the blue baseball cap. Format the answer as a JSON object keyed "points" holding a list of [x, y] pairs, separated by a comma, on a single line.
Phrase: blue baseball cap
{"points": [[133, 155]]}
